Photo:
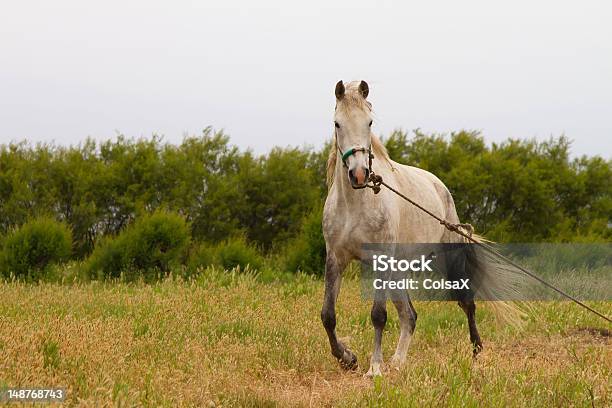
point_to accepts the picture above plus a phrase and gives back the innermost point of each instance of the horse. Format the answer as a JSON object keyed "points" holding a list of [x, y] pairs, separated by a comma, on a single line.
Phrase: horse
{"points": [[353, 216]]}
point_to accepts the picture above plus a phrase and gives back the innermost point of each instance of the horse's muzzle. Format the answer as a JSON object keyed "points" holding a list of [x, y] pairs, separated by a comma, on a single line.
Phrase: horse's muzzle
{"points": [[359, 177]]}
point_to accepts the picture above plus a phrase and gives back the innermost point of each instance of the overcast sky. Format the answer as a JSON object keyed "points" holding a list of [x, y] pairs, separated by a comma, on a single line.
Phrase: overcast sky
{"points": [[265, 70]]}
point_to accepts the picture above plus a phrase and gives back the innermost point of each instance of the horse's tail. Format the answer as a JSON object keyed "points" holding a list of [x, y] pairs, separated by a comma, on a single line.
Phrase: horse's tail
{"points": [[494, 282]]}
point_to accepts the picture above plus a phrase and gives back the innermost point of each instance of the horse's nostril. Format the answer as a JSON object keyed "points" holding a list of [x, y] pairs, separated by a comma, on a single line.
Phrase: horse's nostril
{"points": [[358, 176]]}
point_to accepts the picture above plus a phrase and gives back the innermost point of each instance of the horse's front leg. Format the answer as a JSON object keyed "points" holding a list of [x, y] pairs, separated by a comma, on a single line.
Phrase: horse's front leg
{"points": [[379, 319], [407, 317], [333, 279]]}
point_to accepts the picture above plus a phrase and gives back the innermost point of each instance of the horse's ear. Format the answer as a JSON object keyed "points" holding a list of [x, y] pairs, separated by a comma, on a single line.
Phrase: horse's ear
{"points": [[364, 89], [339, 90]]}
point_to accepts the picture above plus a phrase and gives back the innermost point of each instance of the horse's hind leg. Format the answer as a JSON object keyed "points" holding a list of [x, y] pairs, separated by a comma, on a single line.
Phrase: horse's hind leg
{"points": [[379, 319], [333, 278], [469, 307], [407, 317]]}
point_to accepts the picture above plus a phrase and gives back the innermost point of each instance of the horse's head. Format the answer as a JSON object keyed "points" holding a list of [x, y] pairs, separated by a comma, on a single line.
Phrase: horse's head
{"points": [[353, 120]]}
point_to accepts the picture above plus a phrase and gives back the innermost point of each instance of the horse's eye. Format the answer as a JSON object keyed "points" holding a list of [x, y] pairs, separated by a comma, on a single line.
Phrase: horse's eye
{"points": [[337, 125], [370, 125]]}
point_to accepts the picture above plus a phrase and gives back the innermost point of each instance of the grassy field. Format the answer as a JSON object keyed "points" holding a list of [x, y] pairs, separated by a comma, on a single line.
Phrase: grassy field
{"points": [[237, 341]]}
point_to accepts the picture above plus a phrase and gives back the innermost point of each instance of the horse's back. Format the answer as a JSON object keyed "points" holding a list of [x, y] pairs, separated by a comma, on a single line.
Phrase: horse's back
{"points": [[429, 191], [423, 179]]}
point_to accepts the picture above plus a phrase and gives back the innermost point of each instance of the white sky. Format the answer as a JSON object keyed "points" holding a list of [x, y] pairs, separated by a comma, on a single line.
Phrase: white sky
{"points": [[265, 70]]}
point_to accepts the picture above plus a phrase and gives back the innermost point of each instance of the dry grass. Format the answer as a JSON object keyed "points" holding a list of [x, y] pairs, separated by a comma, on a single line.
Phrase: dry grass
{"points": [[238, 342]]}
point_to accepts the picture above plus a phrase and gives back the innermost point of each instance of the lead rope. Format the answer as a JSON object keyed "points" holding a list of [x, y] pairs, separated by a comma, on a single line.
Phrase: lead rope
{"points": [[377, 181]]}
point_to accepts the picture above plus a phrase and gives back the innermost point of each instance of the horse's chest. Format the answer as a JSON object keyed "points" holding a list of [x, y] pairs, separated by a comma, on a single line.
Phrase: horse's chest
{"points": [[373, 222], [363, 226]]}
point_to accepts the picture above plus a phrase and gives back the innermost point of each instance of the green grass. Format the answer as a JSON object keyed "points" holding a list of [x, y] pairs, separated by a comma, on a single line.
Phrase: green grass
{"points": [[238, 341]]}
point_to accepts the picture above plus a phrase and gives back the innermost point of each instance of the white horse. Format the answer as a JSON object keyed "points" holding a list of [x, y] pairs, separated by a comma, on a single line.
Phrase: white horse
{"points": [[354, 215]]}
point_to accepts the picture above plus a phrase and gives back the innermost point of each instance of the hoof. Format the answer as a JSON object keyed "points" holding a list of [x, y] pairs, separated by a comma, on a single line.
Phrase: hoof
{"points": [[477, 349], [348, 360], [397, 363], [374, 371]]}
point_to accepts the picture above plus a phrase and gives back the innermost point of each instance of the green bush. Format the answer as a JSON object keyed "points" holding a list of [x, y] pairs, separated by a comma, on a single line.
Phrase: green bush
{"points": [[157, 240], [30, 250], [109, 258], [152, 244], [201, 256], [306, 252], [238, 252]]}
